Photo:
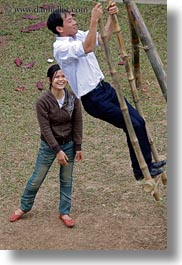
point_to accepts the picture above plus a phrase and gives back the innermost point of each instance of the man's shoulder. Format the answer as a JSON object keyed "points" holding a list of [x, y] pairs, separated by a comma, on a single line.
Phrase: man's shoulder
{"points": [[81, 34], [60, 40]]}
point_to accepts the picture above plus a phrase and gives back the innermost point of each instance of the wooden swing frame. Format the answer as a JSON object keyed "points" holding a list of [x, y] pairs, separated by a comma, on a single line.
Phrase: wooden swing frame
{"points": [[138, 32]]}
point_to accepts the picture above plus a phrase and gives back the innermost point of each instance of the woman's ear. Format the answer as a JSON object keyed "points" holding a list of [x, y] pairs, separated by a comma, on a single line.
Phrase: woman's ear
{"points": [[49, 80]]}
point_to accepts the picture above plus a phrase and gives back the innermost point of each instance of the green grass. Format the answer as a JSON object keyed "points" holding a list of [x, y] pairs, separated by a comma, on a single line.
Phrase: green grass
{"points": [[19, 126]]}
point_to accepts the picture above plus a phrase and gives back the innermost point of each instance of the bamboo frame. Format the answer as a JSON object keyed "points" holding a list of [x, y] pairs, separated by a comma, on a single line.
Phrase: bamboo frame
{"points": [[132, 82], [137, 21], [143, 166], [135, 56]]}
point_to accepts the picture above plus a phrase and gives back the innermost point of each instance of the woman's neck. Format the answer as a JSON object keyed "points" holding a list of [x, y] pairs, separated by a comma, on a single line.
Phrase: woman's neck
{"points": [[57, 93]]}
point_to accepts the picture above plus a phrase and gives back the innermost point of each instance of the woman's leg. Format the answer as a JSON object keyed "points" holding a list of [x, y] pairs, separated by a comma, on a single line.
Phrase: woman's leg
{"points": [[66, 179], [44, 161]]}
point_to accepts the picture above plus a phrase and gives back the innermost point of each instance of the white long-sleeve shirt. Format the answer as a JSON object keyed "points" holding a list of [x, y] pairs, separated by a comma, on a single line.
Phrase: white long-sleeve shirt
{"points": [[81, 70]]}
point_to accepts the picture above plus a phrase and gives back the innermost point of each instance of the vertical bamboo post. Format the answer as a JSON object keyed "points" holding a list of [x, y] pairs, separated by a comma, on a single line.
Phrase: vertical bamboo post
{"points": [[148, 45], [125, 58], [125, 112], [132, 83], [135, 55]]}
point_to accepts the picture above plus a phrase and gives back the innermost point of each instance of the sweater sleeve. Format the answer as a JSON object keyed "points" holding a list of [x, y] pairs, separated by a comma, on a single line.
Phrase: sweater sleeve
{"points": [[77, 124], [46, 132]]}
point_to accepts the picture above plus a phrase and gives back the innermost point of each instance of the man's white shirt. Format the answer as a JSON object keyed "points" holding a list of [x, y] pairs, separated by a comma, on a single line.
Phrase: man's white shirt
{"points": [[81, 70]]}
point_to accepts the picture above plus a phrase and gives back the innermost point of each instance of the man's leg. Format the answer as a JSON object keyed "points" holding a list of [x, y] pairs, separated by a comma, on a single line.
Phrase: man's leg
{"points": [[103, 103]]}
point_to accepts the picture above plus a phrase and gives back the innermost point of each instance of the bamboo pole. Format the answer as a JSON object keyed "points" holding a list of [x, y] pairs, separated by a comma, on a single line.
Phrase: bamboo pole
{"points": [[135, 55], [125, 112], [148, 45], [133, 87], [125, 58]]}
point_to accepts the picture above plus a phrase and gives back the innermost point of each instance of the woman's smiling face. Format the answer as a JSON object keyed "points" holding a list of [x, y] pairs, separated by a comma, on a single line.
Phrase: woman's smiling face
{"points": [[58, 81]]}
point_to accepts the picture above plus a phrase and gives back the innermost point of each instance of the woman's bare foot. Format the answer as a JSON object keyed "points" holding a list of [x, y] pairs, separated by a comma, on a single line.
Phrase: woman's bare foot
{"points": [[19, 212]]}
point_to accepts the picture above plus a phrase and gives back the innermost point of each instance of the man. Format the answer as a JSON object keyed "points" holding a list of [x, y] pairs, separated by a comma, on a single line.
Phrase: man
{"points": [[74, 52]]}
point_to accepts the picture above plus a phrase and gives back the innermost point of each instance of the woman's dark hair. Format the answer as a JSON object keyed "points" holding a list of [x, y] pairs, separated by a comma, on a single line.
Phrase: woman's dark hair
{"points": [[51, 71], [56, 19]]}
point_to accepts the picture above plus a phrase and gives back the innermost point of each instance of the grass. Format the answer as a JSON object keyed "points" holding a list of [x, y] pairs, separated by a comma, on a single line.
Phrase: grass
{"points": [[104, 181], [18, 119]]}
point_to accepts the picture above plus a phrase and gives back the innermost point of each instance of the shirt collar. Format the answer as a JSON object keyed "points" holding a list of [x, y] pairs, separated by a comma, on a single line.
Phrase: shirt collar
{"points": [[66, 38]]}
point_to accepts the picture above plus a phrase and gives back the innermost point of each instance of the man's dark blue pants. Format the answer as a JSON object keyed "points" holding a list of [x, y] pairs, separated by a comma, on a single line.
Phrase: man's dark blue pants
{"points": [[102, 103]]}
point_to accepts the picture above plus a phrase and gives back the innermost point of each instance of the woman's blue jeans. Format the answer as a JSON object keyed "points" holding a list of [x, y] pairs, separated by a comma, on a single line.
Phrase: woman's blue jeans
{"points": [[45, 158]]}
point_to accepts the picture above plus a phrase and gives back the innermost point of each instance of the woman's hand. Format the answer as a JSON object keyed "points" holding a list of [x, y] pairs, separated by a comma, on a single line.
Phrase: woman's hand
{"points": [[79, 156], [62, 158]]}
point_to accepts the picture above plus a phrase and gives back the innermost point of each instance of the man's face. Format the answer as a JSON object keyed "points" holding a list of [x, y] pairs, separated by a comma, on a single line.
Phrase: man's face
{"points": [[70, 27]]}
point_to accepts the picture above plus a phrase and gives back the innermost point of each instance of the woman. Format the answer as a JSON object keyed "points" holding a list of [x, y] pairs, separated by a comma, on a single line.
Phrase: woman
{"points": [[60, 120]]}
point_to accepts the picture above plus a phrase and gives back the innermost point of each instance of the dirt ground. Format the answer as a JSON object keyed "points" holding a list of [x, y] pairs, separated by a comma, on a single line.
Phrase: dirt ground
{"points": [[111, 209], [108, 217]]}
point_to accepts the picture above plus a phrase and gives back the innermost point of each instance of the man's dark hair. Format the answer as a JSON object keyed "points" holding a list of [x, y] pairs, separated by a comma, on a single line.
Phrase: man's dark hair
{"points": [[56, 19]]}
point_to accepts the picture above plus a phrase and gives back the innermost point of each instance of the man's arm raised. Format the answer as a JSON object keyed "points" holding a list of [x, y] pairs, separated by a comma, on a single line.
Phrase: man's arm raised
{"points": [[90, 41]]}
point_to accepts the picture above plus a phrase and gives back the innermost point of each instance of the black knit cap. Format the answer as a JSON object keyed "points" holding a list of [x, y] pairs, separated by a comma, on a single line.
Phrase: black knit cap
{"points": [[51, 71]]}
